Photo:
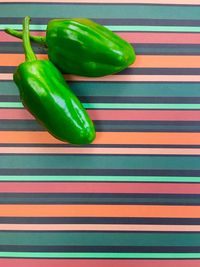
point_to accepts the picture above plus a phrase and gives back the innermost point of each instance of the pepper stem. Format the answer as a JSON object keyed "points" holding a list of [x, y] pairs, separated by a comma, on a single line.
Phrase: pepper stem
{"points": [[37, 39], [28, 51]]}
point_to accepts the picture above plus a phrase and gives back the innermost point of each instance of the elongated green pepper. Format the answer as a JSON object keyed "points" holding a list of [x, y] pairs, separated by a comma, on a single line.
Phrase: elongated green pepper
{"points": [[46, 95], [82, 47]]}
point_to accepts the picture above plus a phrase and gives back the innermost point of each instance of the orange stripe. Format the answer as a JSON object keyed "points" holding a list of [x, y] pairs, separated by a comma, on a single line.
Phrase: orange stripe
{"points": [[28, 137], [15, 59], [98, 227], [100, 211], [142, 61]]}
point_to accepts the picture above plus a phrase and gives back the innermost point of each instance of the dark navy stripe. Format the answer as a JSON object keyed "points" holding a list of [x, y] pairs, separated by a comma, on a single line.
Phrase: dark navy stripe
{"points": [[99, 220], [136, 249], [112, 21], [137, 71], [140, 49], [104, 126], [115, 172], [106, 199], [120, 99]]}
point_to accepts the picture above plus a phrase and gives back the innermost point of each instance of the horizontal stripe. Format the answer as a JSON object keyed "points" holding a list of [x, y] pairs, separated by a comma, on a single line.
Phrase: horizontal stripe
{"points": [[99, 220], [117, 105], [25, 137], [86, 187], [99, 172], [163, 179], [99, 199], [137, 71], [113, 21], [99, 227], [161, 2], [135, 38], [129, 78], [99, 211], [122, 28], [100, 255], [100, 162], [124, 78], [105, 11], [16, 262], [99, 249], [142, 61], [114, 239], [140, 49], [116, 115], [93, 150], [110, 126], [109, 89]]}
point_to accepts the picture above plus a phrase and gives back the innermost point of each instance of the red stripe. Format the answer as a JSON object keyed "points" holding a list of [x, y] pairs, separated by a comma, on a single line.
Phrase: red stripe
{"points": [[134, 37], [98, 187], [151, 115], [6, 262]]}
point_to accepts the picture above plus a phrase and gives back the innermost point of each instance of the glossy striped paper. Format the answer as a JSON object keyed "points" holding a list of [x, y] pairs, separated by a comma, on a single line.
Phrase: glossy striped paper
{"points": [[132, 198]]}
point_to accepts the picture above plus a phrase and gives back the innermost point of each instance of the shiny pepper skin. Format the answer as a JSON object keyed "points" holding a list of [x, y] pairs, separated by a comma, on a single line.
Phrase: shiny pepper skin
{"points": [[83, 47], [46, 95]]}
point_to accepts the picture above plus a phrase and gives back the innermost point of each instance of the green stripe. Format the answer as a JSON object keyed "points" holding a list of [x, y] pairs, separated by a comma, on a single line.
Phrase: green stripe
{"points": [[99, 162], [116, 106], [101, 255], [121, 89], [162, 179], [120, 28], [100, 11], [34, 238]]}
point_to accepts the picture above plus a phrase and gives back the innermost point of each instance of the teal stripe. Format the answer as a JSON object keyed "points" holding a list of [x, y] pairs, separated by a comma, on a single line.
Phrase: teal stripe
{"points": [[99, 162], [160, 179], [121, 89], [100, 11], [100, 255], [120, 28], [116, 106], [35, 238]]}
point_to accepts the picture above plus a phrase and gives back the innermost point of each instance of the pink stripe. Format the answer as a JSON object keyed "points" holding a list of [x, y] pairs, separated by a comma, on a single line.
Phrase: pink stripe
{"points": [[137, 78], [98, 227], [132, 115], [9, 262], [125, 78], [97, 150], [100, 187], [134, 37]]}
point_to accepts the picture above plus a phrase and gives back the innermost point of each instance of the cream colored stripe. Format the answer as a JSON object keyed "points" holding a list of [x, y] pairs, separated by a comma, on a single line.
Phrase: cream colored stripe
{"points": [[98, 227], [126, 78], [96, 150]]}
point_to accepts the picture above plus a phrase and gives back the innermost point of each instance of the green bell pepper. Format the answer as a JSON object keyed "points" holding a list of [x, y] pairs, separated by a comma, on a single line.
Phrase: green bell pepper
{"points": [[82, 47], [46, 95]]}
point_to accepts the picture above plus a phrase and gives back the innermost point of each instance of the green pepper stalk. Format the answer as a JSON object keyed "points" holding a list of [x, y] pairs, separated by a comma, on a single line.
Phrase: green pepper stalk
{"points": [[37, 39], [83, 47], [48, 98]]}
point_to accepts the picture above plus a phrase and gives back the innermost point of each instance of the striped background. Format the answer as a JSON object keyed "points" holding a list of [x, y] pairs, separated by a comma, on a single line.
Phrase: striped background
{"points": [[132, 198]]}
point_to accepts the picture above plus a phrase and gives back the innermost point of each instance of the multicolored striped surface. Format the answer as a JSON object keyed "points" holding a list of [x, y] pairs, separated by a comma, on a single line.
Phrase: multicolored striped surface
{"points": [[132, 198]]}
